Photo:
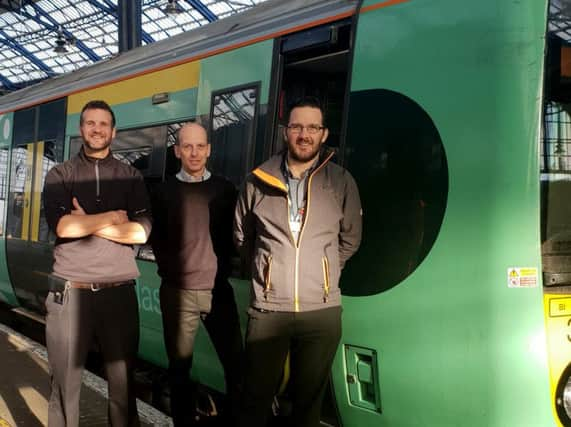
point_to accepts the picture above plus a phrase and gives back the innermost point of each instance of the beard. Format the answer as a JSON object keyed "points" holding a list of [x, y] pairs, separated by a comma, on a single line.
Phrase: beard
{"points": [[100, 146], [309, 153]]}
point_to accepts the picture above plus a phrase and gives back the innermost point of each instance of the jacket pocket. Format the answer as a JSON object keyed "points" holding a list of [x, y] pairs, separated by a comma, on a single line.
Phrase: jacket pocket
{"points": [[268, 277], [326, 282]]}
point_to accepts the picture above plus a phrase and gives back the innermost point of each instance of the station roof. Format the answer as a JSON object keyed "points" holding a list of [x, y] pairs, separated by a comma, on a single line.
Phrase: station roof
{"points": [[88, 32], [560, 19]]}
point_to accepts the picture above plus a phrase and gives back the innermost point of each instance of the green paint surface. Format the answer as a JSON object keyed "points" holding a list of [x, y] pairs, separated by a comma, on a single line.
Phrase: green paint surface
{"points": [[249, 64], [206, 366], [142, 113], [455, 345]]}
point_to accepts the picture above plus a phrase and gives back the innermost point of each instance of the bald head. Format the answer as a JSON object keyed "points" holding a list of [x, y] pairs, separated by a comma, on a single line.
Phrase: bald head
{"points": [[192, 148], [191, 130]]}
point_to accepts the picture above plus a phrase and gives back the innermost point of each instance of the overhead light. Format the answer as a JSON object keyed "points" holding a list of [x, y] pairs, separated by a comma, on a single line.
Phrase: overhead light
{"points": [[173, 8], [60, 43]]}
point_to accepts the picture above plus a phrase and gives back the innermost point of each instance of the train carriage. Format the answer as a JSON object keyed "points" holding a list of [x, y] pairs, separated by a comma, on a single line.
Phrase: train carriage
{"points": [[436, 107]]}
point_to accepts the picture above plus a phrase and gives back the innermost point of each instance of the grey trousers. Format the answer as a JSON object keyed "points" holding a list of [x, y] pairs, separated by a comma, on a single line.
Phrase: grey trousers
{"points": [[182, 311], [109, 316]]}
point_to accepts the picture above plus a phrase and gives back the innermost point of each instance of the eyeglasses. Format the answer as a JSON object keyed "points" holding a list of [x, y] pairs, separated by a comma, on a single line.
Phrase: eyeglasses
{"points": [[311, 129]]}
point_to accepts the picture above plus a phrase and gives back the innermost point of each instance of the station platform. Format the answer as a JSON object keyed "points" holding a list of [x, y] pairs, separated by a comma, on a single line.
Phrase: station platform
{"points": [[24, 388]]}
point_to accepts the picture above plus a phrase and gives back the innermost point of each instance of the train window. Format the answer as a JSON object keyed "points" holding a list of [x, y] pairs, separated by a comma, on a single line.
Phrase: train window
{"points": [[47, 156], [20, 188], [232, 131], [52, 127], [395, 153], [147, 149], [3, 185], [24, 127], [37, 146]]}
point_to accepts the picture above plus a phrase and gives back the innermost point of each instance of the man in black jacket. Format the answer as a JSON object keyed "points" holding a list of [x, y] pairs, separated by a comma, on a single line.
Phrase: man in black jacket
{"points": [[98, 208], [192, 242]]}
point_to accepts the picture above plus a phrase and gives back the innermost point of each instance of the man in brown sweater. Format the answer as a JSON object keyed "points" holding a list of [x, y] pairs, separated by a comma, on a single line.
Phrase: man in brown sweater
{"points": [[192, 241]]}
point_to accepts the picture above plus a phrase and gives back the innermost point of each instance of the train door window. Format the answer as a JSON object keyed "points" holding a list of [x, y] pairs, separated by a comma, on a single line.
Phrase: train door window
{"points": [[37, 147], [20, 187], [4, 156], [232, 131], [314, 63]]}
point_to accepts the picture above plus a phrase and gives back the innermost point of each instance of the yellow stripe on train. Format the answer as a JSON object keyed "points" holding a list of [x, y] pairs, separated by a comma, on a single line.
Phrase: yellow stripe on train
{"points": [[174, 79]]}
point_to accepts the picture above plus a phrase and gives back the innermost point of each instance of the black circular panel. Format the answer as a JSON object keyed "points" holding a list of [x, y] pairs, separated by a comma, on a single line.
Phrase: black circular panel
{"points": [[395, 153]]}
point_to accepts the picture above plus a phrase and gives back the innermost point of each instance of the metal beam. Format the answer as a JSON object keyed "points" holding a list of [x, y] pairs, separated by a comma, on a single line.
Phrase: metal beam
{"points": [[112, 10], [129, 24], [203, 10], [55, 26], [6, 84], [22, 50]]}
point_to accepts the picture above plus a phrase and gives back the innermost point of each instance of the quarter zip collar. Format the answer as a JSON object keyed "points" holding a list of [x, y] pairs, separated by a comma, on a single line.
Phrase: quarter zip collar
{"points": [[96, 163], [87, 158]]}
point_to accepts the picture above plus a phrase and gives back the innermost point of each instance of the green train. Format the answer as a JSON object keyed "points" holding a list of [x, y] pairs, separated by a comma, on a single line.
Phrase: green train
{"points": [[454, 119]]}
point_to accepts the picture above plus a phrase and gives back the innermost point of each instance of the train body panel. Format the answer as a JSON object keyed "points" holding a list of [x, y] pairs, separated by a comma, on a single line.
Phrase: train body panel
{"points": [[451, 337], [438, 114], [6, 290]]}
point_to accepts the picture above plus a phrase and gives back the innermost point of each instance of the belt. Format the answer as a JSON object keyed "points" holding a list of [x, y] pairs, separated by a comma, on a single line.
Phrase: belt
{"points": [[98, 286]]}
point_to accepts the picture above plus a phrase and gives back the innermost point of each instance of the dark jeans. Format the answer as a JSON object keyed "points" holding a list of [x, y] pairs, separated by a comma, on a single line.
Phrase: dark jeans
{"points": [[311, 338], [182, 310], [111, 317]]}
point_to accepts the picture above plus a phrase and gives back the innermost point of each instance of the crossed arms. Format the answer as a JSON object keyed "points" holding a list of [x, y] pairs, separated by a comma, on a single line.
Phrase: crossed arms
{"points": [[110, 225]]}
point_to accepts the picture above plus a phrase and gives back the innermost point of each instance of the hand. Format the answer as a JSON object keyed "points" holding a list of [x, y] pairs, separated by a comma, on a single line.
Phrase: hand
{"points": [[119, 217], [77, 209]]}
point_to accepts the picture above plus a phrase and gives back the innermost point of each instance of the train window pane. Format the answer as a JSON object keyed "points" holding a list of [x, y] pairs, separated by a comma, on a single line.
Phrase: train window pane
{"points": [[51, 125], [172, 163], [395, 153], [19, 198], [46, 158], [145, 149], [24, 127], [3, 186], [232, 130]]}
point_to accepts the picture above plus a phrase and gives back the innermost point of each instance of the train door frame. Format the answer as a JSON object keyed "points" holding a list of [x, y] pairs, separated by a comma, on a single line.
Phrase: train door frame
{"points": [[248, 151], [310, 46]]}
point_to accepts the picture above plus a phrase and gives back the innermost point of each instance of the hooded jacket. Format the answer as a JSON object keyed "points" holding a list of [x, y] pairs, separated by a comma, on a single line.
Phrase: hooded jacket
{"points": [[304, 275]]}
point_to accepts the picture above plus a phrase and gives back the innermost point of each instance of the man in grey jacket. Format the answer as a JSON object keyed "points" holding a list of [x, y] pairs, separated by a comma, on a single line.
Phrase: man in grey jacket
{"points": [[298, 220]]}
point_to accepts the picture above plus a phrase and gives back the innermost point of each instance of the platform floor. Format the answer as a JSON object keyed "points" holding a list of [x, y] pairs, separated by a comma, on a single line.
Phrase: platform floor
{"points": [[24, 388]]}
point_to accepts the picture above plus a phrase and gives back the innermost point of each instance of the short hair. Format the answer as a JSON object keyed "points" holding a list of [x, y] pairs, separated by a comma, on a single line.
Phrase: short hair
{"points": [[307, 101], [97, 105]]}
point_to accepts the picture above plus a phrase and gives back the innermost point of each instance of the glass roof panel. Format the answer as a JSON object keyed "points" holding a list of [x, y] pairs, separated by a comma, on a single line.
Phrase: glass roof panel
{"points": [[89, 30]]}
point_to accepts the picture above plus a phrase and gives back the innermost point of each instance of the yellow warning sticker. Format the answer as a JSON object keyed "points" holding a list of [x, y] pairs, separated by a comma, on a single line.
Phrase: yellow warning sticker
{"points": [[4, 423], [522, 277]]}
